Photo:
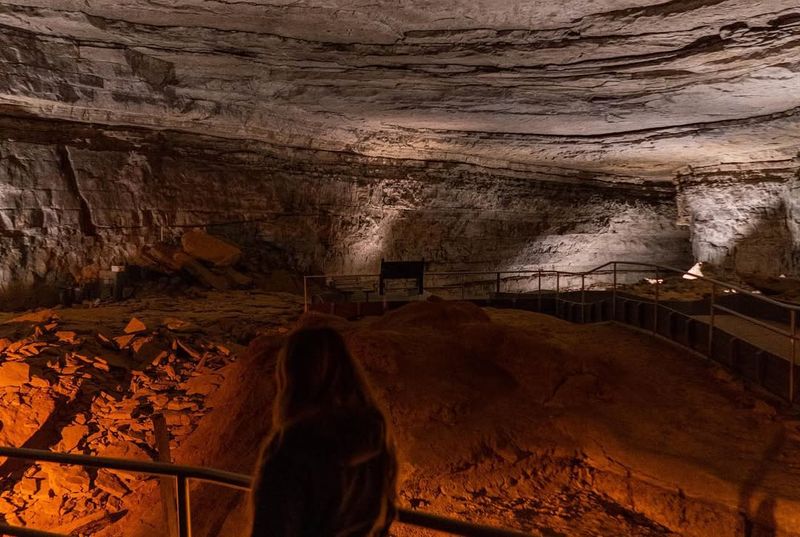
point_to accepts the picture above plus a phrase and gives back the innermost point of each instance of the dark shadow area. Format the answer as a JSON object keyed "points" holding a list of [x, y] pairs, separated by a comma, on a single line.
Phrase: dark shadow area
{"points": [[761, 522]]}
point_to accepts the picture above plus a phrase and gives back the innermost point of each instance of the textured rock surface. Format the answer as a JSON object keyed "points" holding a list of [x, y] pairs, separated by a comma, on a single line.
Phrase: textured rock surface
{"points": [[348, 130], [666, 82], [83, 196], [744, 218]]}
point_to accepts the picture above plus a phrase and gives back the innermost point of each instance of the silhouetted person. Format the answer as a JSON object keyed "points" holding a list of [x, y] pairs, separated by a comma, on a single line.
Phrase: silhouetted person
{"points": [[328, 468]]}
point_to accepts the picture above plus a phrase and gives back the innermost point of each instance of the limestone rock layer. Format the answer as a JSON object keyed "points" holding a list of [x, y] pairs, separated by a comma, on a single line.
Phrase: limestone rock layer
{"points": [[484, 132]]}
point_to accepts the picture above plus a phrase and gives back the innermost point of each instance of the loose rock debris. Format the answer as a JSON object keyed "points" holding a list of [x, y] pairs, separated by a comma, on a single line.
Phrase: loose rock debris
{"points": [[95, 394]]}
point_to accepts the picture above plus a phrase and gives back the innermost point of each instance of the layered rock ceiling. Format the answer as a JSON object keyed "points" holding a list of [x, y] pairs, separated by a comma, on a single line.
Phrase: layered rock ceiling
{"points": [[473, 133]]}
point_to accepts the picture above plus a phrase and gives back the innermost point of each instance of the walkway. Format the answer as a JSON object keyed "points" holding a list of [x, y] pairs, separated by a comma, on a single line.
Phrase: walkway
{"points": [[758, 336]]}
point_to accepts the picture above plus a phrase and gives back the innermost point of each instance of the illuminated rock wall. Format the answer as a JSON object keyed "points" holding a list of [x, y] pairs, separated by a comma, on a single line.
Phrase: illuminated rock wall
{"points": [[744, 218], [73, 197]]}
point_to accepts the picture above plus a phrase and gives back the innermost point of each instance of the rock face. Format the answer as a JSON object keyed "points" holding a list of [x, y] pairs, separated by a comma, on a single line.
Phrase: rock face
{"points": [[484, 133], [744, 218], [95, 196]]}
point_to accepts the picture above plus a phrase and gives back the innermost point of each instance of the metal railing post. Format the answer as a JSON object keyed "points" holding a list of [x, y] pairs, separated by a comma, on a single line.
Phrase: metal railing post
{"points": [[655, 307], [540, 292], [712, 319], [184, 510], [793, 316], [583, 298], [558, 293], [614, 296], [305, 294], [497, 287], [463, 286]]}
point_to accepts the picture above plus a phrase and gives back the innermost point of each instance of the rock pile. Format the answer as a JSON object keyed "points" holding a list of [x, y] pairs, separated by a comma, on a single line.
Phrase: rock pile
{"points": [[208, 259], [95, 394]]}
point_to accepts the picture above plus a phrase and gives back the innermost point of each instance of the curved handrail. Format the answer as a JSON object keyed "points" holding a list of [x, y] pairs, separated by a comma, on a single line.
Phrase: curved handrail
{"points": [[721, 283], [232, 480], [222, 477], [16, 531], [595, 270]]}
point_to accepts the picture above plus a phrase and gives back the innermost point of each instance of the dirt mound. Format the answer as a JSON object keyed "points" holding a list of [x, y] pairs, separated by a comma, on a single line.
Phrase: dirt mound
{"points": [[435, 314], [513, 418]]}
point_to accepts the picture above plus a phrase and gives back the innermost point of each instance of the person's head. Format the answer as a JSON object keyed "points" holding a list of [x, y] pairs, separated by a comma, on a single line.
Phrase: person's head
{"points": [[315, 372]]}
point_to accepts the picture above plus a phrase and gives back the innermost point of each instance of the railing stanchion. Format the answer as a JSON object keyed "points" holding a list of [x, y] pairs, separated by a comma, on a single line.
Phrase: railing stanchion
{"points": [[712, 319], [583, 298], [539, 306], [497, 288], [305, 294], [793, 316], [558, 293], [463, 286], [184, 511], [655, 308], [614, 296]]}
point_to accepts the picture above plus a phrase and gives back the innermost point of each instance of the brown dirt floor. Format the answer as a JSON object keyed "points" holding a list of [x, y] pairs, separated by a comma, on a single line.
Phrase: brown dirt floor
{"points": [[522, 420]]}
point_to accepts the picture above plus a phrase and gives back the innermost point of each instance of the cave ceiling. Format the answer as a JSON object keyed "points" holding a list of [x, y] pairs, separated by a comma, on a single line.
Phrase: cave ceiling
{"points": [[634, 89]]}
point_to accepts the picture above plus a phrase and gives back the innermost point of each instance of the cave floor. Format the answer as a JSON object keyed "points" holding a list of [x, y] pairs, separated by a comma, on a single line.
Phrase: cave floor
{"points": [[759, 336], [82, 380], [502, 416]]}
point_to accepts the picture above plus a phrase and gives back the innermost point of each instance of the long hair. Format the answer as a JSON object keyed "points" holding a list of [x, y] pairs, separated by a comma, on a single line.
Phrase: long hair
{"points": [[316, 372]]}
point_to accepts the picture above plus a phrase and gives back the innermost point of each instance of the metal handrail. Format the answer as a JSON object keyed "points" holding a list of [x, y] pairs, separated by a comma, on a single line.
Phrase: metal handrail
{"points": [[228, 479], [725, 285], [210, 475], [596, 270], [613, 267], [17, 531]]}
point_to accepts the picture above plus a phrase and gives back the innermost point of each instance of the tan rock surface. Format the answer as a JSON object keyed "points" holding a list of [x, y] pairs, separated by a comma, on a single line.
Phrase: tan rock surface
{"points": [[14, 374], [219, 252]]}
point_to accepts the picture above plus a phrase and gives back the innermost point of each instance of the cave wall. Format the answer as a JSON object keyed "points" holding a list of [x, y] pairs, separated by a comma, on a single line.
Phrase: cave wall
{"points": [[475, 134], [79, 198], [744, 218]]}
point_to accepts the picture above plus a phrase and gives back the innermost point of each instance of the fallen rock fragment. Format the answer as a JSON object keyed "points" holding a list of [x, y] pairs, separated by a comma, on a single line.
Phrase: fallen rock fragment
{"points": [[36, 317], [108, 482], [202, 384], [163, 255], [124, 341], [70, 338], [64, 479], [200, 272], [237, 278], [179, 325], [71, 435], [14, 374], [135, 326], [201, 245]]}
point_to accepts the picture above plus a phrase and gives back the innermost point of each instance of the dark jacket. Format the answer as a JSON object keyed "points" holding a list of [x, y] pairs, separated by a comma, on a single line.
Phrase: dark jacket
{"points": [[329, 475]]}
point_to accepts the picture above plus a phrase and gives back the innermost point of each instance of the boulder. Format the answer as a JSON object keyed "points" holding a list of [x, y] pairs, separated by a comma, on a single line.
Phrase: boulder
{"points": [[14, 374], [205, 276], [201, 245]]}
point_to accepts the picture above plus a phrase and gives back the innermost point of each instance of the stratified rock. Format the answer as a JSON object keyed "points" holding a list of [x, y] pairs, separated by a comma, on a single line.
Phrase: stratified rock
{"points": [[209, 248]]}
